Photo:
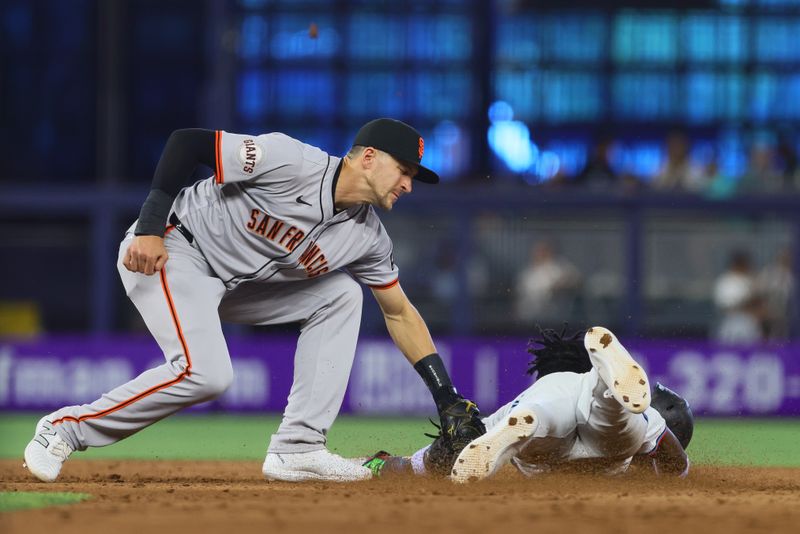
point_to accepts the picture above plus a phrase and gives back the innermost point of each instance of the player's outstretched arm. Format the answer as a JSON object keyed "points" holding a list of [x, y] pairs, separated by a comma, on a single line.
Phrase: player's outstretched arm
{"points": [[668, 458], [460, 418], [184, 151], [406, 326]]}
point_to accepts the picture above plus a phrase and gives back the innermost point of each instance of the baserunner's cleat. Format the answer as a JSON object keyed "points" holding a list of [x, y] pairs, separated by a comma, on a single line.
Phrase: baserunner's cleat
{"points": [[488, 453], [626, 380], [376, 462]]}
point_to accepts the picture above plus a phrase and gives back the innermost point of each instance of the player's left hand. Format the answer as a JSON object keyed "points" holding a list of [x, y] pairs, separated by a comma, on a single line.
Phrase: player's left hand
{"points": [[146, 254], [461, 424], [461, 421]]}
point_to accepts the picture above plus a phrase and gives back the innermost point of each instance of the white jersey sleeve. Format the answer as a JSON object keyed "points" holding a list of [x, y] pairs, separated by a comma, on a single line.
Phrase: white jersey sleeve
{"points": [[656, 426], [491, 420], [376, 268], [271, 157]]}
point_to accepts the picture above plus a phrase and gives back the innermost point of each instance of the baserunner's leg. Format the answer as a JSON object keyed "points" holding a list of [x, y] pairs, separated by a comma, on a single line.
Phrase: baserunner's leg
{"points": [[538, 426], [619, 392]]}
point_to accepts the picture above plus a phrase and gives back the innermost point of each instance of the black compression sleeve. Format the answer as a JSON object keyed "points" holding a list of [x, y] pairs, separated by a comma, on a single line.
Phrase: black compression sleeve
{"points": [[154, 212], [185, 149], [431, 369]]}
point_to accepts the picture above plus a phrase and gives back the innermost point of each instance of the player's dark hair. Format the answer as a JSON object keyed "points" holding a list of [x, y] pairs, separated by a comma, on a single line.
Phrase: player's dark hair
{"points": [[558, 353]]}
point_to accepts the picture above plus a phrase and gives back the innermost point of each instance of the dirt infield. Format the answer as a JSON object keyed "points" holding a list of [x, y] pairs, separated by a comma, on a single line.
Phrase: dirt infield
{"points": [[231, 497]]}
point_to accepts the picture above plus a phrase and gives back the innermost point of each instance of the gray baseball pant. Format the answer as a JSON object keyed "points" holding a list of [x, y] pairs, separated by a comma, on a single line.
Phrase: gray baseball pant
{"points": [[182, 306]]}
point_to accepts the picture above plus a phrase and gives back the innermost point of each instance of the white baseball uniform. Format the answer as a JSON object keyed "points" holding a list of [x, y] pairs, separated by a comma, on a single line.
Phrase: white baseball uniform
{"points": [[576, 422]]}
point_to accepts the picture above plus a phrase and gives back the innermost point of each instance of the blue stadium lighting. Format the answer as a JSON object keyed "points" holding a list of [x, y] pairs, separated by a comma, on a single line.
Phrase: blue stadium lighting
{"points": [[510, 139], [447, 133], [500, 111], [702, 152], [253, 37], [445, 149], [640, 159], [732, 161], [252, 87], [547, 165], [297, 44], [571, 154]]}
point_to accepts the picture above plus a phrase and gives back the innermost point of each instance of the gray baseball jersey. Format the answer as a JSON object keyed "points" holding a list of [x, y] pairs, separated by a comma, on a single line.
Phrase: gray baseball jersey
{"points": [[268, 216]]}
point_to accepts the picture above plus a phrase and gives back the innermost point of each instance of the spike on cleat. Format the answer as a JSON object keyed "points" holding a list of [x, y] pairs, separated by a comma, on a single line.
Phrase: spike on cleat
{"points": [[486, 454], [623, 375]]}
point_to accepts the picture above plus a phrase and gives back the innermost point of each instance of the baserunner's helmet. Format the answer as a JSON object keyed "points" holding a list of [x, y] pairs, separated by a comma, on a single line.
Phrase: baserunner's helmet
{"points": [[676, 412]]}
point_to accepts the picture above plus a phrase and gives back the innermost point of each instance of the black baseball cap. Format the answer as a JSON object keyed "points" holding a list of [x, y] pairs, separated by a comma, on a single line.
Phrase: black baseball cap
{"points": [[400, 140]]}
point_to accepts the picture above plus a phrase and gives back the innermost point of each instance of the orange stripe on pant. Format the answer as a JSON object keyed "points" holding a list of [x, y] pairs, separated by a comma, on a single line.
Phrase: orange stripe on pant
{"points": [[155, 389], [218, 153]]}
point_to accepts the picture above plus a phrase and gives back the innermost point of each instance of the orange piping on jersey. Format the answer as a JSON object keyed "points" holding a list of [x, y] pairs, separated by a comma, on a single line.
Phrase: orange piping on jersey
{"points": [[155, 389], [217, 151], [658, 442], [387, 286], [168, 230]]}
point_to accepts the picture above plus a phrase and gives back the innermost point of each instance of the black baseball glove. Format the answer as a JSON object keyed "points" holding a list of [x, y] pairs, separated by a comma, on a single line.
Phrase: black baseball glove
{"points": [[460, 424]]}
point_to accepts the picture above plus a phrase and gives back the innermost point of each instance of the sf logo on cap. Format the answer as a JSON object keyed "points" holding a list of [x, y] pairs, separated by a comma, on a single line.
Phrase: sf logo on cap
{"points": [[421, 147]]}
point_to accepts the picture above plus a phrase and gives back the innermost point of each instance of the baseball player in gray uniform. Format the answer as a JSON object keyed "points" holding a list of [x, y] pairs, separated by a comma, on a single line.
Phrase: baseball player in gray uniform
{"points": [[282, 232]]}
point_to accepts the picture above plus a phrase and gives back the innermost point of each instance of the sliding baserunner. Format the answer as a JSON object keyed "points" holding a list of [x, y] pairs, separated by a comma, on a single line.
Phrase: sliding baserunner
{"points": [[591, 404]]}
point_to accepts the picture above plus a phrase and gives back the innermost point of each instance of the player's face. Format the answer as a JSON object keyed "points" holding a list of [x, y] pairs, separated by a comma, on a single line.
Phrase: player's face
{"points": [[391, 180]]}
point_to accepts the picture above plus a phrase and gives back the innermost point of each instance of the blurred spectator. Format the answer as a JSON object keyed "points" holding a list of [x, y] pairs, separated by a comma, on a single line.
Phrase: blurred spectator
{"points": [[547, 287], [720, 186], [598, 174], [558, 181], [677, 173], [737, 302], [787, 161], [478, 275], [762, 175], [443, 282], [775, 285]]}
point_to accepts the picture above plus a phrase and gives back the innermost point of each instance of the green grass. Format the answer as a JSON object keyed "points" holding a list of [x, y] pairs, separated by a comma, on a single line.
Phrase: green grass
{"points": [[23, 500], [766, 442], [222, 437], [227, 437]]}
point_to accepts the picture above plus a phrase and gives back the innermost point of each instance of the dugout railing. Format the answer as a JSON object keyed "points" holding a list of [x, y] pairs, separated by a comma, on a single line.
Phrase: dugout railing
{"points": [[494, 226]]}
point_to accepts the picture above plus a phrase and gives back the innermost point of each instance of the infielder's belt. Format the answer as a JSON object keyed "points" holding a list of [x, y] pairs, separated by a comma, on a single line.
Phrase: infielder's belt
{"points": [[176, 222]]}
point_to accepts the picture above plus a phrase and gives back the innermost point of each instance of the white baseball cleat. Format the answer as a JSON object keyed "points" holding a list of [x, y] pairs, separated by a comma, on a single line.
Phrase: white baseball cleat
{"points": [[46, 452], [314, 465], [626, 380], [488, 453]]}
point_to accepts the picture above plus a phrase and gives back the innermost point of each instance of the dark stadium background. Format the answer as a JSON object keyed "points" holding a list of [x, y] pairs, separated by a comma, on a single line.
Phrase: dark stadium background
{"points": [[549, 125], [627, 163]]}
